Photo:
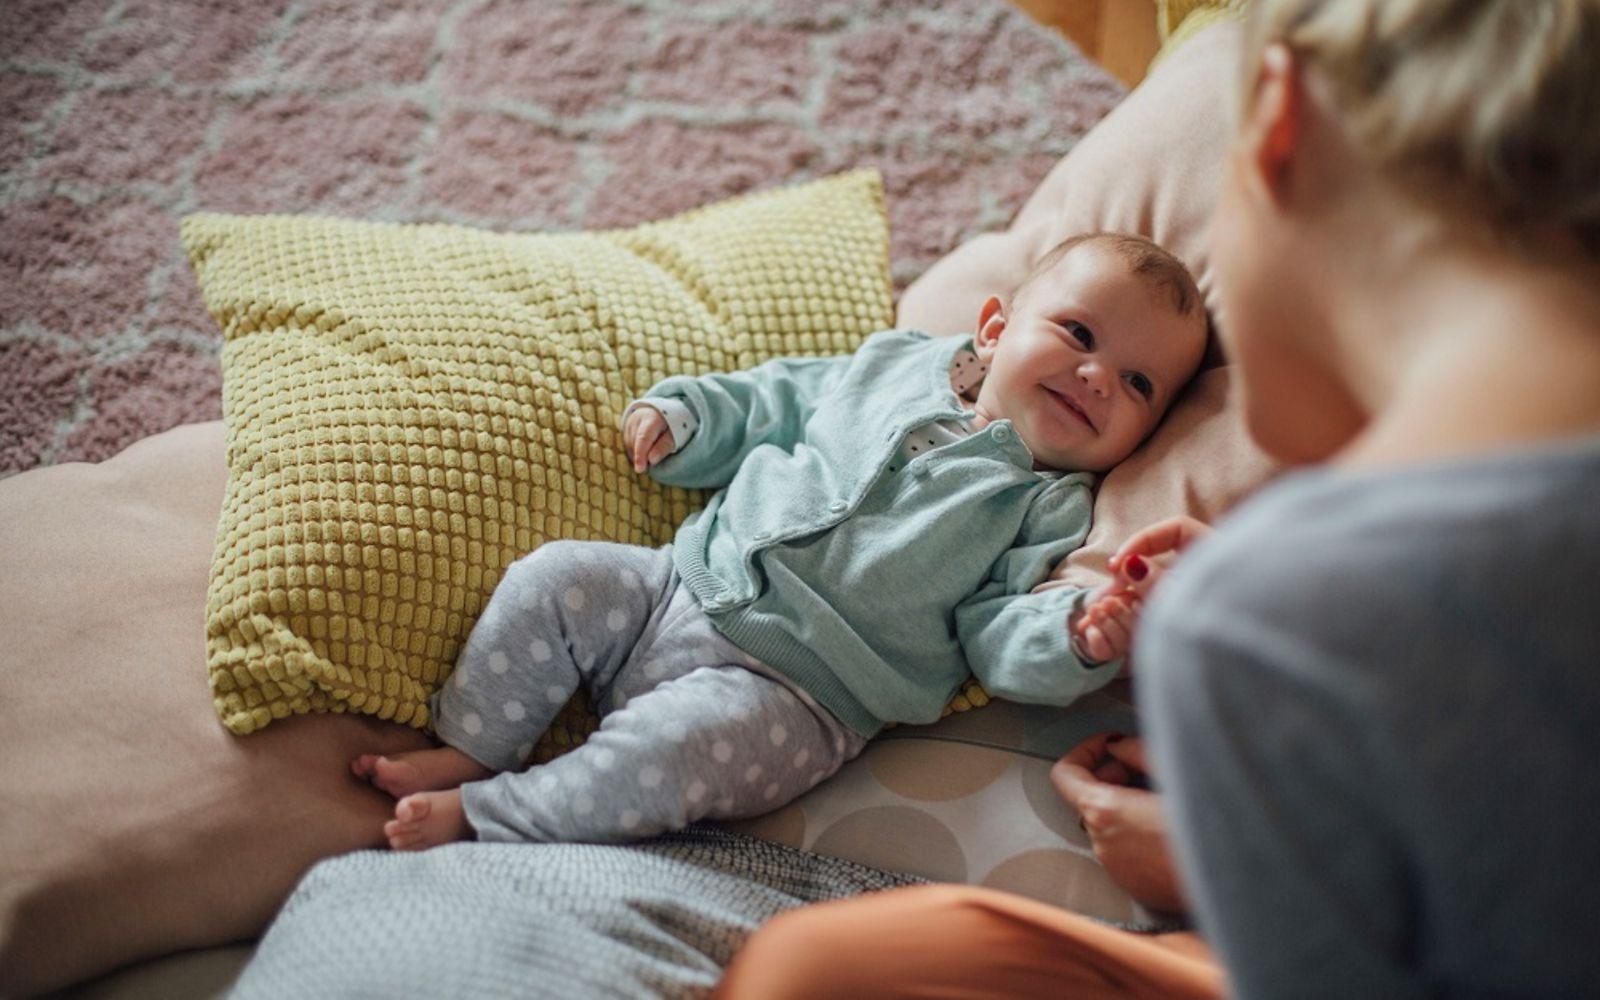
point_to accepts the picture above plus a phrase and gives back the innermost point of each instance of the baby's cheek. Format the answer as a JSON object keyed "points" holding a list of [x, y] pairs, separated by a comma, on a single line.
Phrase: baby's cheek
{"points": [[1136, 430]]}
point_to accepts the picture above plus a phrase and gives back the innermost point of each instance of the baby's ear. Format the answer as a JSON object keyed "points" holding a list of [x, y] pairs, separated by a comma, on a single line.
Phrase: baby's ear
{"points": [[991, 323]]}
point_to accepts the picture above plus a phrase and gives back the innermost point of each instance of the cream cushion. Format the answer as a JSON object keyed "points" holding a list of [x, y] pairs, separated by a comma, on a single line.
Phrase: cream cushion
{"points": [[1153, 167], [133, 822]]}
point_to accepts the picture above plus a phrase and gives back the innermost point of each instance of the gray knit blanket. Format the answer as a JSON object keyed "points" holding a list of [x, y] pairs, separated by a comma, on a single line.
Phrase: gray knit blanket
{"points": [[657, 919]]}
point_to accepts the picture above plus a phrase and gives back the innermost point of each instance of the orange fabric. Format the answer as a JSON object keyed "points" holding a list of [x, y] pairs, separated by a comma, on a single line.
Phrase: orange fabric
{"points": [[961, 943]]}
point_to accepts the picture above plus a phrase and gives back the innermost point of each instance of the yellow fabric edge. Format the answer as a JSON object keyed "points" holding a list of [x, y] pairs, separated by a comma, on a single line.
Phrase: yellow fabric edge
{"points": [[1180, 20]]}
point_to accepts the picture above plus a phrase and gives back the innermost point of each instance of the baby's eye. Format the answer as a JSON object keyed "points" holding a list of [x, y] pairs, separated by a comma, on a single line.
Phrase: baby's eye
{"points": [[1082, 334], [1140, 384]]}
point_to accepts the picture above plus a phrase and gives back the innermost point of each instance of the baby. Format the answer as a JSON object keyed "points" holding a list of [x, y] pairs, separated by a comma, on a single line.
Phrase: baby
{"points": [[881, 522]]}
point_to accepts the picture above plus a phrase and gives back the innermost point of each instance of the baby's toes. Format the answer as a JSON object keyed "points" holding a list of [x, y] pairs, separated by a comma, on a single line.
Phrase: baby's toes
{"points": [[412, 809], [396, 777], [406, 840], [362, 766], [403, 834]]}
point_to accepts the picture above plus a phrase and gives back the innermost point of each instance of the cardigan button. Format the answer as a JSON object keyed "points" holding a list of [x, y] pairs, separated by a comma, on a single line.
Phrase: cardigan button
{"points": [[838, 506], [1002, 434], [762, 536]]}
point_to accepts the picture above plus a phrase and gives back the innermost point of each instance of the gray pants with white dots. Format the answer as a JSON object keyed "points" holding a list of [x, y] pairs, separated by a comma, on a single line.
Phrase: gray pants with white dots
{"points": [[691, 726]]}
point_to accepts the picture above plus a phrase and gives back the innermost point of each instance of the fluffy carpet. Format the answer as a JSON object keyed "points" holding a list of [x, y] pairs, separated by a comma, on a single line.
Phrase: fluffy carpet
{"points": [[118, 117]]}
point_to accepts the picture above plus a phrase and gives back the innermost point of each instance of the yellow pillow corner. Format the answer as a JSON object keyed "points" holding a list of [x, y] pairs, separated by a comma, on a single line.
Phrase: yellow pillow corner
{"points": [[409, 408], [1180, 20]]}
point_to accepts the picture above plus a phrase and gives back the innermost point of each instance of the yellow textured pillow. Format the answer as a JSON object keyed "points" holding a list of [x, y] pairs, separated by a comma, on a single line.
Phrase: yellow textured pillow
{"points": [[410, 408]]}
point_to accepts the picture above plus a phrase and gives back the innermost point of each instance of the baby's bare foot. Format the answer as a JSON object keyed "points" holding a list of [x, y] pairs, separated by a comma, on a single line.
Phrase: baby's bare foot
{"points": [[426, 820], [418, 770]]}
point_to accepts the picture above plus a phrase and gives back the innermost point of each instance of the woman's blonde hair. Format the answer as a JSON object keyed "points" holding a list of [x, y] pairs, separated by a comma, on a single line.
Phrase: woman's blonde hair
{"points": [[1496, 101]]}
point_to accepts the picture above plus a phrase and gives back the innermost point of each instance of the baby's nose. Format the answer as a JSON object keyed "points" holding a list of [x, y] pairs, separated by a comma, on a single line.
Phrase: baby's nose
{"points": [[1093, 375]]}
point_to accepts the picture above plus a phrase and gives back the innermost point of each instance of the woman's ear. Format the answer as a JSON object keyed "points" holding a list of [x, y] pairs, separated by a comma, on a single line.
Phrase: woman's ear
{"points": [[1274, 122], [991, 323]]}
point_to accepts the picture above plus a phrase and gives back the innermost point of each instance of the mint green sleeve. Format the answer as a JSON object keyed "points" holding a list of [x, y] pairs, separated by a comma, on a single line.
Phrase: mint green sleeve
{"points": [[1016, 641], [740, 411]]}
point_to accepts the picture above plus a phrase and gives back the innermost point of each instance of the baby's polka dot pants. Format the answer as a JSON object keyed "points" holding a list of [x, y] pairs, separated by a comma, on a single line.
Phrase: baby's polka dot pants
{"points": [[691, 726]]}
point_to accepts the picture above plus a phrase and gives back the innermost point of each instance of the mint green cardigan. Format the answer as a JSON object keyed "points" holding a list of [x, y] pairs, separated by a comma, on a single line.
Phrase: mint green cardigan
{"points": [[876, 591]]}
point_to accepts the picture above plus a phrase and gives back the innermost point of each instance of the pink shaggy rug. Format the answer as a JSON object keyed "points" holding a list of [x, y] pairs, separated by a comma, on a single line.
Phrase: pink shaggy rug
{"points": [[118, 117]]}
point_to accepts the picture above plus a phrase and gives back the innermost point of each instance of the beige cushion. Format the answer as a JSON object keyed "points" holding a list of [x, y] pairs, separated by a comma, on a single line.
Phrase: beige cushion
{"points": [[138, 826], [968, 799], [1153, 167], [133, 823], [202, 974]]}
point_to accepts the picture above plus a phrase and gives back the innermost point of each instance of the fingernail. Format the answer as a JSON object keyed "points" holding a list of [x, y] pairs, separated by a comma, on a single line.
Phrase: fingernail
{"points": [[1136, 568]]}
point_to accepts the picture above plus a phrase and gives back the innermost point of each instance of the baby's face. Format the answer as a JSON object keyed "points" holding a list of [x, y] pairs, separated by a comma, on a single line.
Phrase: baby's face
{"points": [[1086, 360]]}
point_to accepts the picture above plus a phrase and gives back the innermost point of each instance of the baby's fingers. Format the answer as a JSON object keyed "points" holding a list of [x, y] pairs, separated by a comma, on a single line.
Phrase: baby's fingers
{"points": [[1102, 632], [1123, 610], [1118, 638], [630, 430], [1092, 642], [651, 432], [660, 448], [639, 446], [1107, 604]]}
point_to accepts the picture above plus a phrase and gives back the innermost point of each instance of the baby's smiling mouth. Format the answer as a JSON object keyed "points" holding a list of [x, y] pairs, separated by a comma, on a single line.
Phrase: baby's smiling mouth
{"points": [[1071, 407]]}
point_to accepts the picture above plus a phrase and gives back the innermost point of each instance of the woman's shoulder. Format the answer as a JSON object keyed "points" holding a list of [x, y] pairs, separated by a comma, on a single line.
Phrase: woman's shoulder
{"points": [[1332, 527], [1396, 576]]}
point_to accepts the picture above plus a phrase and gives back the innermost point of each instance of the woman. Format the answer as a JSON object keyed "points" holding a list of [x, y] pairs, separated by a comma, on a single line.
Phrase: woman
{"points": [[1373, 695]]}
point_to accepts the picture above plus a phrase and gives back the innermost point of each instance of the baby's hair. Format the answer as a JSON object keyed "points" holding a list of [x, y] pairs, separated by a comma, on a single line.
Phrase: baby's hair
{"points": [[1144, 257], [1492, 103]]}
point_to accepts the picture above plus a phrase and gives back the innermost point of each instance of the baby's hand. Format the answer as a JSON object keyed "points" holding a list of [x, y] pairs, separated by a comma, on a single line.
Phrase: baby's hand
{"points": [[646, 437], [1103, 630]]}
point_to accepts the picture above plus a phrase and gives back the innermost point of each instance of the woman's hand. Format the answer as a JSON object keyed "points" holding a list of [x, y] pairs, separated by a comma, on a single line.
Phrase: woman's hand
{"points": [[1104, 778], [646, 437], [1138, 563]]}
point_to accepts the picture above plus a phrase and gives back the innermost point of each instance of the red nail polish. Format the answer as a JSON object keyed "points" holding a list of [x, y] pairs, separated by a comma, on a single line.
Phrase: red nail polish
{"points": [[1136, 569]]}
